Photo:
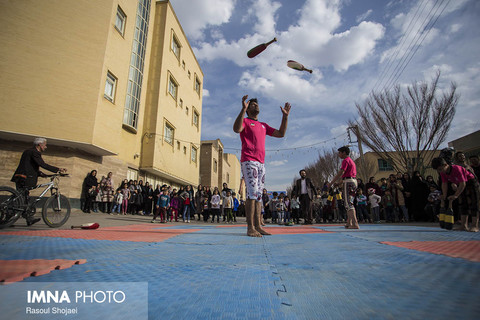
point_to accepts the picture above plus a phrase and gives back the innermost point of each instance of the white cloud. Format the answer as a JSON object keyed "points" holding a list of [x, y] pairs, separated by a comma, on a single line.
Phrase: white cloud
{"points": [[195, 16], [455, 27], [364, 16], [311, 41], [278, 163], [206, 93], [264, 10]]}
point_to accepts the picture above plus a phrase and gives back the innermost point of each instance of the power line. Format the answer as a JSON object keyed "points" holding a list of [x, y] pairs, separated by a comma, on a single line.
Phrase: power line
{"points": [[394, 55], [239, 149], [418, 46], [424, 29], [295, 148]]}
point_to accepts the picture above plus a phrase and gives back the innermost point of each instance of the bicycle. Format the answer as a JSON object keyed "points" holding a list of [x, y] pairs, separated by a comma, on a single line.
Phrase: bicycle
{"points": [[13, 204]]}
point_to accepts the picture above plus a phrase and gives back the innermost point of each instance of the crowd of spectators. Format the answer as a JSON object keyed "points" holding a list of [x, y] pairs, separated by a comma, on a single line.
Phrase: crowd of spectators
{"points": [[398, 198], [165, 203]]}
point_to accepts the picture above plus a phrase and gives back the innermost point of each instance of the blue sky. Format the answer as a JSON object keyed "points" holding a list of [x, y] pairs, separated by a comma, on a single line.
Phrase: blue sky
{"points": [[353, 48]]}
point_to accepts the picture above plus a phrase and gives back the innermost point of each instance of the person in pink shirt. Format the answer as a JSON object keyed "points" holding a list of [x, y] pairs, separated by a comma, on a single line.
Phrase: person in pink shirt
{"points": [[466, 187], [348, 173], [252, 134]]}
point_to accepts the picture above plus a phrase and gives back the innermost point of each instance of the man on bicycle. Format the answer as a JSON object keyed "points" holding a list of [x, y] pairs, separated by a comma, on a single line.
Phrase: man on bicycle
{"points": [[28, 170]]}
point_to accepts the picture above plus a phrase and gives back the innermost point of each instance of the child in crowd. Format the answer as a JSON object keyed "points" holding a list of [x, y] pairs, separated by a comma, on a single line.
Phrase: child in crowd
{"points": [[131, 202], [98, 200], [215, 202], [93, 193], [362, 206], [433, 206], [126, 197], [228, 206], [295, 208], [117, 202], [280, 209], [272, 205], [206, 210], [374, 201], [162, 205], [287, 220], [340, 206], [389, 205], [236, 204], [175, 204]]}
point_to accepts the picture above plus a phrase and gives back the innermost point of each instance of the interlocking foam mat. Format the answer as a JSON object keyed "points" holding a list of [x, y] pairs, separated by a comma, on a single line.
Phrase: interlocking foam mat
{"points": [[17, 270], [469, 250], [210, 271], [140, 233]]}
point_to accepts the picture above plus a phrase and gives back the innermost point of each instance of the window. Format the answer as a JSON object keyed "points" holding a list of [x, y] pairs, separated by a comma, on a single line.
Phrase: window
{"points": [[197, 85], [181, 103], [137, 59], [194, 154], [183, 64], [172, 88], [186, 111], [110, 86], [132, 174], [175, 46], [120, 21], [184, 150], [168, 135], [228, 177], [178, 145], [215, 165], [189, 75], [384, 165], [195, 118]]}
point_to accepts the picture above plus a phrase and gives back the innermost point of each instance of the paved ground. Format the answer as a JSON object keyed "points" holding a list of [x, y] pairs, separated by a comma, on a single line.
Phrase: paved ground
{"points": [[214, 271]]}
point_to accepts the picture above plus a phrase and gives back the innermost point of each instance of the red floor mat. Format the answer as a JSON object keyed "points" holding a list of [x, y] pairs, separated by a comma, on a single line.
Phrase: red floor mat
{"points": [[17, 270], [136, 233], [469, 250]]}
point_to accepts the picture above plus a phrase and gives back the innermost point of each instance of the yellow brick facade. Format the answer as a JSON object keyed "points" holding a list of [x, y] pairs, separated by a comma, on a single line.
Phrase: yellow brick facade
{"points": [[217, 167], [55, 59]]}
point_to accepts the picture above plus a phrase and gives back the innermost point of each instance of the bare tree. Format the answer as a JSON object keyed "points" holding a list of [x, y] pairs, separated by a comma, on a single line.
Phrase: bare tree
{"points": [[408, 123], [323, 169]]}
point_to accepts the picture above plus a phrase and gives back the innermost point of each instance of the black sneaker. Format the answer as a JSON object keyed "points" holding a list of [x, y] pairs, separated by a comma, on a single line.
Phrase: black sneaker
{"points": [[32, 221]]}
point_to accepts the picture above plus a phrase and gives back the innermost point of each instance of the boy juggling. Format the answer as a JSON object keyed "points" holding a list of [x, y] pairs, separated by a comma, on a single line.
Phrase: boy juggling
{"points": [[348, 173]]}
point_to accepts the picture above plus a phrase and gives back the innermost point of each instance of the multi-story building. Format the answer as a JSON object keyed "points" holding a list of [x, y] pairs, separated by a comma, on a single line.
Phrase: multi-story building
{"points": [[217, 167], [377, 167], [468, 144], [113, 85]]}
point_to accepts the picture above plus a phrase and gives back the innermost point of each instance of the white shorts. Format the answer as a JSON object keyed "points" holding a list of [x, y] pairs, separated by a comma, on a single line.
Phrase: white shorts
{"points": [[254, 176]]}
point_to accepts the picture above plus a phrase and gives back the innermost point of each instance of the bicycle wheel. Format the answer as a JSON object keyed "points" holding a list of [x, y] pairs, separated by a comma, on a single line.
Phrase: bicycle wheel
{"points": [[56, 210], [11, 206]]}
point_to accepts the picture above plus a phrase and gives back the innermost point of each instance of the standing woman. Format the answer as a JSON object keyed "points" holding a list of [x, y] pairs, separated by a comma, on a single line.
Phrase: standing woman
{"points": [[419, 194], [206, 203], [188, 202], [199, 198], [91, 182], [107, 192]]}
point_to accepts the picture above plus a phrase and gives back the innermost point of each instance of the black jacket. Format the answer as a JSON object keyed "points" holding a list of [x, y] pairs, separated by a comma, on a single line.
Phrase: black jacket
{"points": [[310, 188], [29, 167]]}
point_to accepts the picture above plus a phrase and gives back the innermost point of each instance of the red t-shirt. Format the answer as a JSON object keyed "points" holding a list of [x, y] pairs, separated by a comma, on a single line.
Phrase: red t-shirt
{"points": [[457, 174], [349, 167], [253, 140]]}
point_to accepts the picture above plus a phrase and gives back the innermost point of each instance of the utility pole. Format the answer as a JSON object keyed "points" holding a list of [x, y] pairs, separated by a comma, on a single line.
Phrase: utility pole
{"points": [[360, 149]]}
